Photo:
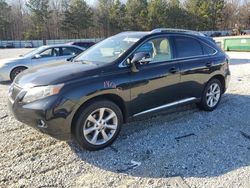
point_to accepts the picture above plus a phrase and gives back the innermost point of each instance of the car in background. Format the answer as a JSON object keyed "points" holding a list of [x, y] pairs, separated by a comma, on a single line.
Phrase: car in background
{"points": [[82, 44], [44, 55], [28, 45], [9, 45], [129, 75]]}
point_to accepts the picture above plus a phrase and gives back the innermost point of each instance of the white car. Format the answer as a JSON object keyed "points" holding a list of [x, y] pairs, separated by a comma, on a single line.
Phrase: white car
{"points": [[44, 55]]}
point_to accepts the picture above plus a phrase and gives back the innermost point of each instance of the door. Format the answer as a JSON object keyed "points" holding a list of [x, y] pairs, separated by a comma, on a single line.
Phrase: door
{"points": [[157, 82], [196, 65], [47, 56]]}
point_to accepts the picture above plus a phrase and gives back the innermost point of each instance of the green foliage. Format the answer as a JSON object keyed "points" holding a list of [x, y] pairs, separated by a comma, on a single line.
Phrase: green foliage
{"points": [[157, 10], [208, 14], [40, 15], [47, 19], [137, 14], [77, 17], [4, 20]]}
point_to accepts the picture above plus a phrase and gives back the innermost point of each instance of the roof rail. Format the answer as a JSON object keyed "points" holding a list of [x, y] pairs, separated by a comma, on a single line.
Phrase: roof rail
{"points": [[158, 30]]}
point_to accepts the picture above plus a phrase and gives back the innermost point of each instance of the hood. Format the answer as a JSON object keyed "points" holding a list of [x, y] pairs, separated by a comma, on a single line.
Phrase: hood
{"points": [[10, 60], [56, 74]]}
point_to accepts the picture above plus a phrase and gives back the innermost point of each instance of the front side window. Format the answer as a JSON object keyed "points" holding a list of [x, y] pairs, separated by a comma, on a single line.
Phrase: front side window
{"points": [[110, 49], [158, 50], [51, 52], [187, 47]]}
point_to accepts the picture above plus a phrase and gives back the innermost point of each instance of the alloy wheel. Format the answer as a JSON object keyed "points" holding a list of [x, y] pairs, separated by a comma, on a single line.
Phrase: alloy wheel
{"points": [[100, 126], [213, 95]]}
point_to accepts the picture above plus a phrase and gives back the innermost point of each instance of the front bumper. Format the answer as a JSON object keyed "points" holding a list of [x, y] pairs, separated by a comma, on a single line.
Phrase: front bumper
{"points": [[4, 74], [47, 116], [227, 80]]}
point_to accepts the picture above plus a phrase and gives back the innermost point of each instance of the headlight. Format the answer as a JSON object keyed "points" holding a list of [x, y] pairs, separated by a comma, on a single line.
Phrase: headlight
{"points": [[41, 92], [2, 65]]}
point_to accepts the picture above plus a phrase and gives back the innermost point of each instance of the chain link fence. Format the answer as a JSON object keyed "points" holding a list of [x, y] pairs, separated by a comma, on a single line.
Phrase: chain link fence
{"points": [[37, 43]]}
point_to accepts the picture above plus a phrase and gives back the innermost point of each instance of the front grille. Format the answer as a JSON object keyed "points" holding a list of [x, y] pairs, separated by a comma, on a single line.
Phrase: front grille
{"points": [[15, 91]]}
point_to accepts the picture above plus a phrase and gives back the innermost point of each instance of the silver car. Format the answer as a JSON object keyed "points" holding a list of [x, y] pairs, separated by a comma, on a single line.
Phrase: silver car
{"points": [[10, 68]]}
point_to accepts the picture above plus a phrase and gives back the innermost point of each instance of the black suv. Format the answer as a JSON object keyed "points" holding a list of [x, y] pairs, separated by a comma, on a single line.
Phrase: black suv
{"points": [[127, 75]]}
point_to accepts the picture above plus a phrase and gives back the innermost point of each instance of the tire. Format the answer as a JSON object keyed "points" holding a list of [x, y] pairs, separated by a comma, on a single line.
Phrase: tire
{"points": [[211, 95], [15, 72], [94, 133]]}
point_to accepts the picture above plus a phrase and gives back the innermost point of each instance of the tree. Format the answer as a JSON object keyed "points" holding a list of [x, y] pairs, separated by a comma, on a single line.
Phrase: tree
{"points": [[51, 19], [40, 15], [116, 16], [137, 14], [208, 13], [78, 18], [4, 19], [176, 15], [157, 14], [102, 15], [244, 15]]}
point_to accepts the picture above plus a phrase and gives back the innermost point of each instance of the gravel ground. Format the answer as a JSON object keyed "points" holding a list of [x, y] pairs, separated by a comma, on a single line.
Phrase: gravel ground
{"points": [[183, 148]]}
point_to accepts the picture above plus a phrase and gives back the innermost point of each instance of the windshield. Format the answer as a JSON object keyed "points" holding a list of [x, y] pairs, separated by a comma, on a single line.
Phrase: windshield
{"points": [[34, 52], [110, 49]]}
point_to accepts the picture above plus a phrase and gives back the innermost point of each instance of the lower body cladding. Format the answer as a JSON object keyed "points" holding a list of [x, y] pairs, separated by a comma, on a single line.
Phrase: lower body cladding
{"points": [[45, 116]]}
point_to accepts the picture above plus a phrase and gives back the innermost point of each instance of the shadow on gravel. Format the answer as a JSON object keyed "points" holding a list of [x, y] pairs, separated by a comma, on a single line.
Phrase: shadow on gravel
{"points": [[182, 142]]}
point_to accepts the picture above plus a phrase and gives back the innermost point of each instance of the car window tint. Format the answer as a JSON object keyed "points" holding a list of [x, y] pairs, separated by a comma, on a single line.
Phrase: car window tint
{"points": [[208, 50], [158, 50], [51, 52], [187, 47], [70, 51]]}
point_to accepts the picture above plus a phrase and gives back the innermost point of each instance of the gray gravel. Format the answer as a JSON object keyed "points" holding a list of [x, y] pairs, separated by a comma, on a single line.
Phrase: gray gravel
{"points": [[183, 147]]}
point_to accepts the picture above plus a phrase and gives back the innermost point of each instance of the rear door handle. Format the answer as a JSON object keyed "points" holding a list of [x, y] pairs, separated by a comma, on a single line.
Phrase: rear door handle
{"points": [[173, 70], [209, 65]]}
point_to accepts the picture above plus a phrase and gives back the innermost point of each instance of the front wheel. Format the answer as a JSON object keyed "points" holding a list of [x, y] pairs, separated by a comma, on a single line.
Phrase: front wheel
{"points": [[98, 125], [15, 72], [211, 96]]}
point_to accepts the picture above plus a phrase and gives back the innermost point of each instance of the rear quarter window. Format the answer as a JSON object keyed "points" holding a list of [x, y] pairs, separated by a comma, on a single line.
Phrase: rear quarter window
{"points": [[208, 50], [187, 47]]}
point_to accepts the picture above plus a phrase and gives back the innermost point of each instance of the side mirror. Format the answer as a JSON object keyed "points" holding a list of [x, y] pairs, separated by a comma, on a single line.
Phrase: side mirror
{"points": [[138, 59], [71, 58], [37, 56]]}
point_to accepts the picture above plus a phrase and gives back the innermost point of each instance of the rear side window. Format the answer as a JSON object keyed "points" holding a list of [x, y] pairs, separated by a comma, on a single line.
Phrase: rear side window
{"points": [[208, 50], [187, 47], [66, 51]]}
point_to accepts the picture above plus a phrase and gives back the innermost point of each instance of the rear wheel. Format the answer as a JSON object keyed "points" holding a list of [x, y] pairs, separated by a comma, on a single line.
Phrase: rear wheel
{"points": [[211, 96], [98, 125], [15, 72]]}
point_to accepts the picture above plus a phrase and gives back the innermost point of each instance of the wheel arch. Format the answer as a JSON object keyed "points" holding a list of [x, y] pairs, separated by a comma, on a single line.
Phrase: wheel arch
{"points": [[18, 66], [222, 80], [111, 97]]}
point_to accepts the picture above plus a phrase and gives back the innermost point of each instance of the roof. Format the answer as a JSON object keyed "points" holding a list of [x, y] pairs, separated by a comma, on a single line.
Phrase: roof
{"points": [[62, 45], [172, 30], [162, 30]]}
